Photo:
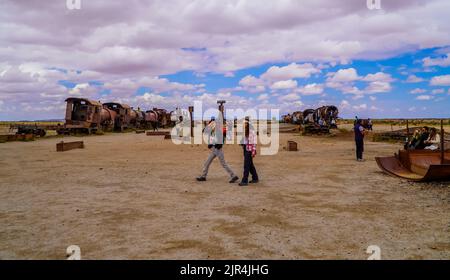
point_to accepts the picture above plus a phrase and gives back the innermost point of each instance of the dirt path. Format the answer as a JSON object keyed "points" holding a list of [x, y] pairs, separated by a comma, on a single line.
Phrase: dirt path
{"points": [[131, 196]]}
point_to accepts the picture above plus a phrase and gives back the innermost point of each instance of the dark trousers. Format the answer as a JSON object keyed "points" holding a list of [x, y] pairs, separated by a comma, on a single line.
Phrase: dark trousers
{"points": [[249, 167], [359, 148]]}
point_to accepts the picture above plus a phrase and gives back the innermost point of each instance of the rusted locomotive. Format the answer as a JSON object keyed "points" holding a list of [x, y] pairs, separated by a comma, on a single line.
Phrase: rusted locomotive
{"points": [[82, 115], [137, 118], [319, 120], [327, 114], [123, 115], [88, 116]]}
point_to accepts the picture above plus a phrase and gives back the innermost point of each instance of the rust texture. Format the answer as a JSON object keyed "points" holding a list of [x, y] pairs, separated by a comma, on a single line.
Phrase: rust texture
{"points": [[66, 146], [88, 116], [158, 133], [292, 146], [417, 165]]}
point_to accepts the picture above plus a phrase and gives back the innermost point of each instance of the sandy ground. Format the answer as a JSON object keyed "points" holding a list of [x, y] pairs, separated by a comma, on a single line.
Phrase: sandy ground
{"points": [[132, 196]]}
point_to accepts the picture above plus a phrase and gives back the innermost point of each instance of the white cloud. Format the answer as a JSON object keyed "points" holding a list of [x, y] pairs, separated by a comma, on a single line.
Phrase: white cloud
{"points": [[418, 91], [414, 79], [344, 79], [251, 84], [311, 89], [378, 77], [298, 104], [352, 90], [344, 104], [288, 84], [442, 61], [151, 98], [263, 97], [290, 71], [126, 87], [378, 87], [360, 107], [424, 97], [438, 91], [121, 44], [123, 38], [83, 89], [443, 80], [344, 76], [289, 97], [251, 81]]}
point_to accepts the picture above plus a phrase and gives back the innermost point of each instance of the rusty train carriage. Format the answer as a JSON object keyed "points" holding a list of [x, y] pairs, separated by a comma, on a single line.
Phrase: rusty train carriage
{"points": [[137, 118], [83, 115], [124, 115]]}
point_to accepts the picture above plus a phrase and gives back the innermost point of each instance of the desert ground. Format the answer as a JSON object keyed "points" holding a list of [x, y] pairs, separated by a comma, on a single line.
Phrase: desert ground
{"points": [[132, 196]]}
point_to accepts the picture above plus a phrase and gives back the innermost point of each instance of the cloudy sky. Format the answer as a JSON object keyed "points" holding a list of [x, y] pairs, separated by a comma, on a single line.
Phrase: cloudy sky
{"points": [[290, 55]]}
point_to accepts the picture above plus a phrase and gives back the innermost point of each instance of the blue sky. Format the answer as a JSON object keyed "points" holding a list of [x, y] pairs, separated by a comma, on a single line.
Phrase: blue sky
{"points": [[401, 101], [289, 55]]}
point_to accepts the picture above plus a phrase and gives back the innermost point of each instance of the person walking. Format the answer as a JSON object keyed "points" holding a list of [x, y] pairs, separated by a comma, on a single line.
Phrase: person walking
{"points": [[249, 147], [359, 140], [215, 145]]}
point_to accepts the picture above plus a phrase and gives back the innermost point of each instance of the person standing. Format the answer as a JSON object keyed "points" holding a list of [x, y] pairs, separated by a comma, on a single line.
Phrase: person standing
{"points": [[369, 124], [321, 123], [249, 147], [359, 140], [215, 145]]}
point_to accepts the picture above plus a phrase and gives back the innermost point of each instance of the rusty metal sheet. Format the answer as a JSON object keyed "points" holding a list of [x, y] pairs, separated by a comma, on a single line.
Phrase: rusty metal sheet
{"points": [[292, 146], [88, 101], [392, 166], [158, 133], [66, 146], [417, 165]]}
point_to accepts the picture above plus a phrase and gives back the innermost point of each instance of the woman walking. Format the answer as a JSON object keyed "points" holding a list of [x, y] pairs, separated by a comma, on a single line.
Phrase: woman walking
{"points": [[249, 148]]}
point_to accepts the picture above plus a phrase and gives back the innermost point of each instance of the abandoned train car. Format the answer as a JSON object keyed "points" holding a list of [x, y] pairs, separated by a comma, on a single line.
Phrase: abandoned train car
{"points": [[86, 116], [82, 115], [124, 115]]}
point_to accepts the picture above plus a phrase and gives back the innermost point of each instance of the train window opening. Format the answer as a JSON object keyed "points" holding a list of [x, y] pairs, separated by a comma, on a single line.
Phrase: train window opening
{"points": [[79, 111]]}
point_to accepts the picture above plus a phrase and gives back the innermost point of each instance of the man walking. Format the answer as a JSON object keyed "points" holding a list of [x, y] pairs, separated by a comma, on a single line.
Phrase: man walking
{"points": [[359, 140], [215, 145]]}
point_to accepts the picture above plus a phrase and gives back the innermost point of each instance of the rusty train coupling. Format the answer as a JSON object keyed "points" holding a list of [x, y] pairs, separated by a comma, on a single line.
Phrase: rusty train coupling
{"points": [[89, 116]]}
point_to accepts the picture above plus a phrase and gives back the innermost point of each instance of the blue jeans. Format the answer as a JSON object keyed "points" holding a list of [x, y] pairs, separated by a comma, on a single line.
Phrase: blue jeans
{"points": [[249, 167], [359, 148]]}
